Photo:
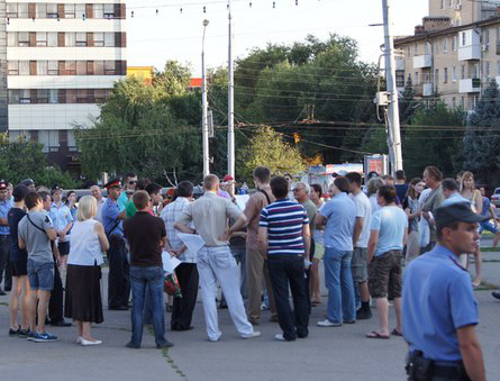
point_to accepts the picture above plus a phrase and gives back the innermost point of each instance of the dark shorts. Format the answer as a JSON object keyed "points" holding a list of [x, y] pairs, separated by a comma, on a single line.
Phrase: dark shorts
{"points": [[359, 266], [41, 275], [63, 248], [19, 268], [385, 275]]}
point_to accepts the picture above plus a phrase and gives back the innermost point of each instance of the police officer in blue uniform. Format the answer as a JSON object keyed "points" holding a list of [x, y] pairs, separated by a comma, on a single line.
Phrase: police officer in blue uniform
{"points": [[439, 307]]}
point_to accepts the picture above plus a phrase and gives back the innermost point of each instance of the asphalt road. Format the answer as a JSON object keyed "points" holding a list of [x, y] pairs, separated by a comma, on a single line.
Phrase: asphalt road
{"points": [[327, 354]]}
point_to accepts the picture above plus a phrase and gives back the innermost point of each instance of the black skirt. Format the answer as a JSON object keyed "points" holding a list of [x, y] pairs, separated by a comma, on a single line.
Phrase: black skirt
{"points": [[83, 294]]}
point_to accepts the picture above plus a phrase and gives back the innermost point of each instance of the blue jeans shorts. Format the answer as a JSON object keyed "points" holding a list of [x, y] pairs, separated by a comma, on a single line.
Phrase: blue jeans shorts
{"points": [[41, 275]]}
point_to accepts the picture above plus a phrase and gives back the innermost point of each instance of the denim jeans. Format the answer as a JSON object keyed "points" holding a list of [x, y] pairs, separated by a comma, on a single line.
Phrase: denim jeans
{"points": [[338, 280], [285, 271], [151, 279]]}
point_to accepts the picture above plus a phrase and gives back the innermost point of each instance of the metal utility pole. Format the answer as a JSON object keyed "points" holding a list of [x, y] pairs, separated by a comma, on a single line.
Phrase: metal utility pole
{"points": [[393, 113], [204, 106], [231, 155]]}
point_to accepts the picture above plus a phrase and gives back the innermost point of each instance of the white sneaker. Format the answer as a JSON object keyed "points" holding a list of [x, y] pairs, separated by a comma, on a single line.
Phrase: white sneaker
{"points": [[79, 340], [328, 323], [86, 343], [279, 337], [252, 335]]}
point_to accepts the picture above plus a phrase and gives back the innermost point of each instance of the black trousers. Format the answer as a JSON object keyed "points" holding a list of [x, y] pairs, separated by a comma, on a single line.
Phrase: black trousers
{"points": [[56, 312], [119, 269], [182, 314], [288, 271], [5, 262]]}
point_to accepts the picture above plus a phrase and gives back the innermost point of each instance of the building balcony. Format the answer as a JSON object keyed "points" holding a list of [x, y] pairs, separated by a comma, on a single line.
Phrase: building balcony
{"points": [[423, 89], [469, 85], [423, 61], [469, 53]]}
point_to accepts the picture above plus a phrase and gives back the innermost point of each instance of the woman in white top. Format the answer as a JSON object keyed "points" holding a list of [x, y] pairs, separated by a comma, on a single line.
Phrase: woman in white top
{"points": [[83, 292]]}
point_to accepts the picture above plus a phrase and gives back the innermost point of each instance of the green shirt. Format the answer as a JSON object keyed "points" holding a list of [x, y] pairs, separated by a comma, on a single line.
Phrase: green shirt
{"points": [[130, 209]]}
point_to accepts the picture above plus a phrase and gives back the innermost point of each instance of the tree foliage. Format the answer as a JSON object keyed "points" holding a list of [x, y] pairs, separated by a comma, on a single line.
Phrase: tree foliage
{"points": [[267, 147], [482, 141]]}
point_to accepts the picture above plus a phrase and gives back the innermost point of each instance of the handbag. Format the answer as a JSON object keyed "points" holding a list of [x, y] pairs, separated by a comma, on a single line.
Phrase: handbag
{"points": [[171, 286]]}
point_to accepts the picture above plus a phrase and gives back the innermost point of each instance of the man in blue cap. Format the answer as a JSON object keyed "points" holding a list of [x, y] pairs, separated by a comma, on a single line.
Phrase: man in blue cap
{"points": [[439, 307]]}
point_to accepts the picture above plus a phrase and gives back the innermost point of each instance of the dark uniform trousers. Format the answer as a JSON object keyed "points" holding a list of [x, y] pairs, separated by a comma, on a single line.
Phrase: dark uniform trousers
{"points": [[56, 298], [5, 261], [182, 314], [118, 280]]}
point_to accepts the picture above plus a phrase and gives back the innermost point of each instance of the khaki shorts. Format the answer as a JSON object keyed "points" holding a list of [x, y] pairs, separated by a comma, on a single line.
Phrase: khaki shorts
{"points": [[319, 251], [385, 275], [359, 266]]}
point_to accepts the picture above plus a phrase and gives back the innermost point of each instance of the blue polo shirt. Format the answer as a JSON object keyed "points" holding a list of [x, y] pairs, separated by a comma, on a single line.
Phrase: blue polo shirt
{"points": [[61, 216], [4, 212], [340, 214], [391, 222], [110, 212], [437, 301]]}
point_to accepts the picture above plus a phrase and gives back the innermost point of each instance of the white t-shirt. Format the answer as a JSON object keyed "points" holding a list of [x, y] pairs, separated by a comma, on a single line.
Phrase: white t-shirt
{"points": [[363, 209]]}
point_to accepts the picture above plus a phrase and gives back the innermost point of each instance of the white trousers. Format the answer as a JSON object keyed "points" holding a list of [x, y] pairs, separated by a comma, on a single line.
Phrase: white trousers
{"points": [[216, 263]]}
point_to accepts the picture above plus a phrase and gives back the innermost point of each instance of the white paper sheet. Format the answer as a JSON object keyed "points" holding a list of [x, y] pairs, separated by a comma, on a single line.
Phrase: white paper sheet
{"points": [[169, 262], [241, 200], [193, 242]]}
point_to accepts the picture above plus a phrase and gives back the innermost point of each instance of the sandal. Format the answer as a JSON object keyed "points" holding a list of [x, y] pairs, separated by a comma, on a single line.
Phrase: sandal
{"points": [[376, 335], [395, 332]]}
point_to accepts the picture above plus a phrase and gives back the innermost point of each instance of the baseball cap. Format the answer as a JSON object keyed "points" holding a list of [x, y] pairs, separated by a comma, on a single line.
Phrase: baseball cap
{"points": [[458, 211], [227, 178], [3, 184]]}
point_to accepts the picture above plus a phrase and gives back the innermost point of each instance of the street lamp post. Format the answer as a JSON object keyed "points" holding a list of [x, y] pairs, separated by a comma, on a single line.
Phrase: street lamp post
{"points": [[231, 159], [204, 105]]}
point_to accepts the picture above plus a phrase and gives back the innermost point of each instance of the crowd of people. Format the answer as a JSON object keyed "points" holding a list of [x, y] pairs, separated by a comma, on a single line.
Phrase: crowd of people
{"points": [[52, 252]]}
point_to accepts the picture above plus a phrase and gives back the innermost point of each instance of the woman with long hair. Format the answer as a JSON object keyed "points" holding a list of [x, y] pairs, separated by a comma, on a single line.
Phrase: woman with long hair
{"points": [[412, 208], [83, 288], [468, 191], [316, 194]]}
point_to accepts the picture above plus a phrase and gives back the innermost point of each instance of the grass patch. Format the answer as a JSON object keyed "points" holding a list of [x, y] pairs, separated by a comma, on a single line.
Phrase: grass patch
{"points": [[166, 355], [4, 304], [490, 250]]}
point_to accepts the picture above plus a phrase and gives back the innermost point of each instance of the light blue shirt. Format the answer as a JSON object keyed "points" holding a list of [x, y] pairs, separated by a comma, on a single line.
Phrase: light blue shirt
{"points": [[453, 199], [340, 214], [437, 301], [123, 200], [110, 212], [391, 222], [4, 211], [61, 216]]}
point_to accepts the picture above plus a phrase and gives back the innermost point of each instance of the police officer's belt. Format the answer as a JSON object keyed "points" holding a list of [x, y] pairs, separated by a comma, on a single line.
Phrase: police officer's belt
{"points": [[420, 368]]}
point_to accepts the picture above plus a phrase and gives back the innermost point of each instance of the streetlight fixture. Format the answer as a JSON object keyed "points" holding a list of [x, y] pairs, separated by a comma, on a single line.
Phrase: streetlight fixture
{"points": [[204, 105]]}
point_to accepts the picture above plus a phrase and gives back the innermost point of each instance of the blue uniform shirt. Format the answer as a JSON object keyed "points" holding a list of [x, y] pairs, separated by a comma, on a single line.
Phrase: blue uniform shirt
{"points": [[437, 301], [61, 216], [4, 212], [340, 214], [110, 212]]}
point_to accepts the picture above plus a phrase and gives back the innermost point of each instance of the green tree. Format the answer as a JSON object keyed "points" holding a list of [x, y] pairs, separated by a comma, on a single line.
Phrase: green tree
{"points": [[24, 159], [482, 140], [267, 147], [173, 80], [408, 105]]}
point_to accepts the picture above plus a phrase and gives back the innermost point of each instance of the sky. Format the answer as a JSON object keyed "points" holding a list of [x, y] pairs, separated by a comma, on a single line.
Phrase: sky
{"points": [[159, 31]]}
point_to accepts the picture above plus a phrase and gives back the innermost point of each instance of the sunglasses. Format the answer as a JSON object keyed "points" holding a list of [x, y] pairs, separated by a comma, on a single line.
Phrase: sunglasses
{"points": [[132, 182]]}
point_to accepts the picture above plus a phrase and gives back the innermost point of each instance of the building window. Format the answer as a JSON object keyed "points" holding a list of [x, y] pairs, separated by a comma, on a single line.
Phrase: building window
{"points": [[100, 95], [69, 11], [13, 68], [80, 11], [454, 102], [69, 39], [52, 11], [445, 45], [400, 78], [109, 39], [81, 39], [443, 4], [42, 96], [41, 11], [53, 96], [22, 10], [109, 68], [435, 47], [498, 67], [52, 39], [462, 72], [14, 96], [12, 39], [454, 74], [450, 3], [436, 76], [41, 67], [487, 70], [416, 48], [81, 96], [16, 136], [109, 11], [486, 40], [416, 78], [99, 39], [98, 67], [81, 67], [24, 67], [41, 39], [12, 10], [70, 68], [70, 96], [24, 39], [98, 11], [464, 39], [408, 51], [24, 96], [445, 75], [454, 43], [71, 141], [49, 139], [53, 68]]}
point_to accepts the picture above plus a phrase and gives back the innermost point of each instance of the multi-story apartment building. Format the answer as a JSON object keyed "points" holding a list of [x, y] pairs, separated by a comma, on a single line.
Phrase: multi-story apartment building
{"points": [[455, 52], [62, 58]]}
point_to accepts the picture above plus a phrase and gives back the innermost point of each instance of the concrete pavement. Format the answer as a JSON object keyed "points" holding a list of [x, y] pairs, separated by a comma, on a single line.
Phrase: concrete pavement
{"points": [[328, 354]]}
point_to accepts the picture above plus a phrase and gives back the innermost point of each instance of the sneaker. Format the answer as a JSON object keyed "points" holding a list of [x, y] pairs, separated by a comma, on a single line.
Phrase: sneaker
{"points": [[31, 336], [166, 344], [87, 343], [2, 292], [23, 333], [14, 332], [279, 337], [328, 323], [496, 295], [252, 335], [132, 345], [363, 314], [44, 337]]}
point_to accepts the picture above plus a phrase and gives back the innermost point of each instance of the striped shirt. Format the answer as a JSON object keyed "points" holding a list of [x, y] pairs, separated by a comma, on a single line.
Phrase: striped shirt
{"points": [[284, 220]]}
